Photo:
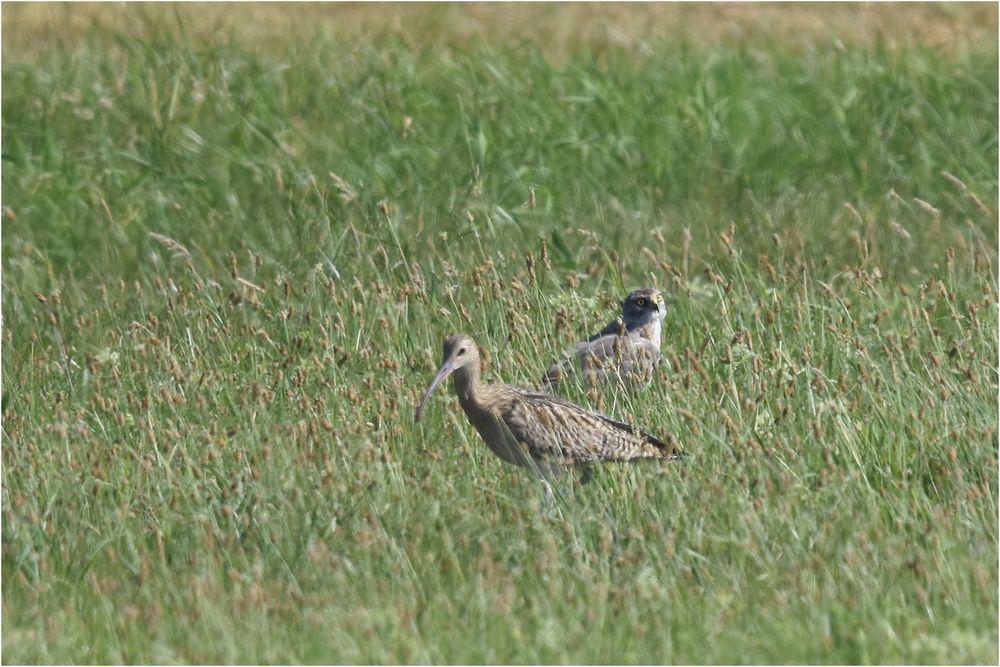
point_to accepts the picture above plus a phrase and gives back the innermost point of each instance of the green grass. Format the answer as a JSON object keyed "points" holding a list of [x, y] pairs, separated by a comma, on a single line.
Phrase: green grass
{"points": [[228, 272]]}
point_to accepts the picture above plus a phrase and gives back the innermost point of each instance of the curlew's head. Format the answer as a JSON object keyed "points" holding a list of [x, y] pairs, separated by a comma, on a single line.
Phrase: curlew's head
{"points": [[643, 306], [460, 354]]}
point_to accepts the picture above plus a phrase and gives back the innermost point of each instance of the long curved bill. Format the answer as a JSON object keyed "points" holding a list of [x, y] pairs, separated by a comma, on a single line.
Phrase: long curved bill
{"points": [[444, 372]]}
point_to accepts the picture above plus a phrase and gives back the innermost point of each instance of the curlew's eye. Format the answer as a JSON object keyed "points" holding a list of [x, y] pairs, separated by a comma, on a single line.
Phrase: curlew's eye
{"points": [[461, 352], [641, 301]]}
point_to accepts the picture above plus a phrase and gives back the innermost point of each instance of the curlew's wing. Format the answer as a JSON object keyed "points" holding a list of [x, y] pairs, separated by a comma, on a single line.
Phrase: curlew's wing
{"points": [[563, 432]]}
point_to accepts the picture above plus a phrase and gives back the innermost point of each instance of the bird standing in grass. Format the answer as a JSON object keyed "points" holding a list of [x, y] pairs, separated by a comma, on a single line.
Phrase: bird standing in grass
{"points": [[627, 348], [538, 431]]}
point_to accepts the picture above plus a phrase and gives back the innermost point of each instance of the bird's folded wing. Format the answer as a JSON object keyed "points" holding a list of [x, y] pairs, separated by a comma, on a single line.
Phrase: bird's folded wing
{"points": [[557, 416], [589, 356], [615, 327]]}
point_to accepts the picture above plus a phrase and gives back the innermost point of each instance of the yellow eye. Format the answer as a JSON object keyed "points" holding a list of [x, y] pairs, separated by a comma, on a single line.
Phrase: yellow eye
{"points": [[641, 301]]}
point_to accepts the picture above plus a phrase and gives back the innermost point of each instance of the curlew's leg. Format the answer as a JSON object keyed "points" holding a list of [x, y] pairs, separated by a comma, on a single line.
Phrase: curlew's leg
{"points": [[550, 504], [547, 476]]}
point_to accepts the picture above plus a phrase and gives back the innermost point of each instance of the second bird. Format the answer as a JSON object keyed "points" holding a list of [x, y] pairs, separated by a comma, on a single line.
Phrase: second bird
{"points": [[628, 347]]}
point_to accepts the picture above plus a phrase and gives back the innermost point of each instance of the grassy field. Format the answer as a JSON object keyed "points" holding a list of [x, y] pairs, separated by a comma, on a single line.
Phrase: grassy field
{"points": [[229, 264]]}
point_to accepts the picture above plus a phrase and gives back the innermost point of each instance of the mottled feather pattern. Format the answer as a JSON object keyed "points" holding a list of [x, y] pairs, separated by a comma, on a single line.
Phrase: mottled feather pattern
{"points": [[560, 432]]}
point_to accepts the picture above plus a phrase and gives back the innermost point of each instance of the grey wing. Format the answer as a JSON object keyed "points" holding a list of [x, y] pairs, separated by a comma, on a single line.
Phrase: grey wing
{"points": [[588, 357], [599, 346], [558, 372], [615, 327], [639, 358], [631, 357]]}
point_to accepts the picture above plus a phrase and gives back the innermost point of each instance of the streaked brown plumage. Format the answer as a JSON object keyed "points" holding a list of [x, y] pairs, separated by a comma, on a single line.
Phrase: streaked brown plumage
{"points": [[535, 430], [627, 348]]}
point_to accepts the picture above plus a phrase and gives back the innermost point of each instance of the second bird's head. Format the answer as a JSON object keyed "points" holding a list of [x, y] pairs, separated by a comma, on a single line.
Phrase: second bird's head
{"points": [[642, 307], [459, 352]]}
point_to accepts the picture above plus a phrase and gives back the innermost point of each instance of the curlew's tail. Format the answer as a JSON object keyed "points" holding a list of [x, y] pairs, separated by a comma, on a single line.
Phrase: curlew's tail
{"points": [[665, 450]]}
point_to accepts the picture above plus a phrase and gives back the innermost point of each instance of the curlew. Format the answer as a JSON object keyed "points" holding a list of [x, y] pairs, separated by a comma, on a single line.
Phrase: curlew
{"points": [[627, 348], [538, 431]]}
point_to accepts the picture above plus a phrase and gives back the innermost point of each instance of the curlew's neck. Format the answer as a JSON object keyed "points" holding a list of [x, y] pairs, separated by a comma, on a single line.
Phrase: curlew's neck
{"points": [[466, 381]]}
